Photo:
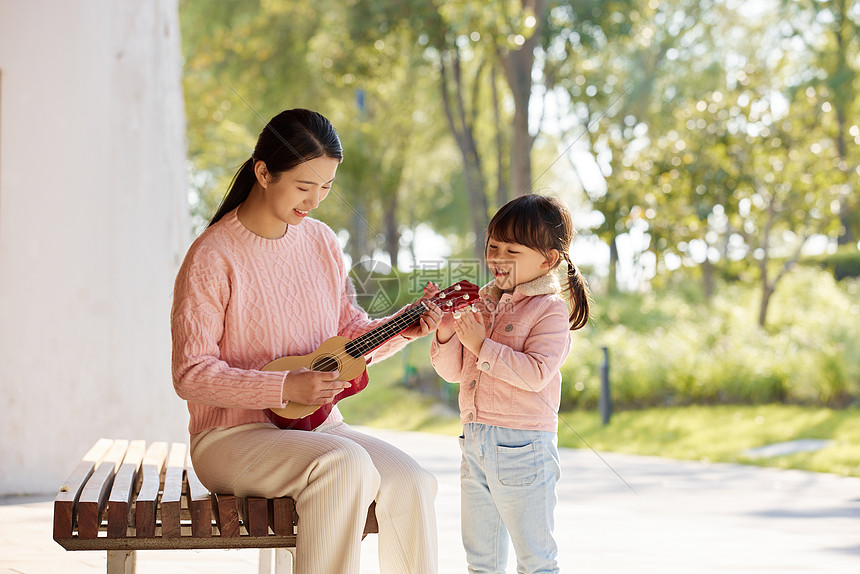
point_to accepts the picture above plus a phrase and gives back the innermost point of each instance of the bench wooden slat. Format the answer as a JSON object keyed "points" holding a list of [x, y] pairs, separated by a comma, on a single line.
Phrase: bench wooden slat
{"points": [[258, 516], [284, 511], [371, 526], [150, 485], [171, 497], [123, 489], [226, 514], [94, 495], [67, 499], [199, 504]]}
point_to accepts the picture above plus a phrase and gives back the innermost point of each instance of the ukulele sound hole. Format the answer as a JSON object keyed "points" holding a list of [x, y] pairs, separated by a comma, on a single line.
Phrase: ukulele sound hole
{"points": [[326, 364]]}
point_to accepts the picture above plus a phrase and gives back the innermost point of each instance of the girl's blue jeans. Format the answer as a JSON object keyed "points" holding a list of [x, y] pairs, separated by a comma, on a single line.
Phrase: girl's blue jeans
{"points": [[508, 483]]}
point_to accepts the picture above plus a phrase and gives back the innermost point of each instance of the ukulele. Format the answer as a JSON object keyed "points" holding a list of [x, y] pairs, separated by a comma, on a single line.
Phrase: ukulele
{"points": [[348, 356]]}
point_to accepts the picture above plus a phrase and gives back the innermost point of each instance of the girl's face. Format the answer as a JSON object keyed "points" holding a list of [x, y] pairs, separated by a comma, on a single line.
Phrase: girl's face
{"points": [[293, 195], [513, 264]]}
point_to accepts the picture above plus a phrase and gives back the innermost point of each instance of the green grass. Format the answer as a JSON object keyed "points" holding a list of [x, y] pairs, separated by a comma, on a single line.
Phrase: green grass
{"points": [[707, 433], [387, 403], [722, 433]]}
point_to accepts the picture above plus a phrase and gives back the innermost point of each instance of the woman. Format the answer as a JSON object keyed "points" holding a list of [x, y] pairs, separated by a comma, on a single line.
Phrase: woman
{"points": [[263, 281]]}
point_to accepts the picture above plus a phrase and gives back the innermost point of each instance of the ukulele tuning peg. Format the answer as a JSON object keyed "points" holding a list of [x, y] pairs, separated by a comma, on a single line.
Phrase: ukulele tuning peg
{"points": [[473, 308], [442, 295], [457, 287], [449, 304], [456, 314], [466, 297]]}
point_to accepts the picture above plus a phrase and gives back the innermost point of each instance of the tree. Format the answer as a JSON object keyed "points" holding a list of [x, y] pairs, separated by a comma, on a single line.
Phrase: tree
{"points": [[387, 124], [246, 62], [516, 52], [828, 67], [486, 62], [621, 76], [234, 82]]}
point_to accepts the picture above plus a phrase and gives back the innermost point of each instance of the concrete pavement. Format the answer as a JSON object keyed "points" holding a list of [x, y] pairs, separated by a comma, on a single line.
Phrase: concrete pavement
{"points": [[684, 517]]}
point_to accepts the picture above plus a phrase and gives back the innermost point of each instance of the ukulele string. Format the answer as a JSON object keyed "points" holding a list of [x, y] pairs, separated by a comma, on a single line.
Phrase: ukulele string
{"points": [[399, 323], [377, 338]]}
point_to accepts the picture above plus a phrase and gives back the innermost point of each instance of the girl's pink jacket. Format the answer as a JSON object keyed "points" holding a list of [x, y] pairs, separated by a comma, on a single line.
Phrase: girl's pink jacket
{"points": [[515, 381]]}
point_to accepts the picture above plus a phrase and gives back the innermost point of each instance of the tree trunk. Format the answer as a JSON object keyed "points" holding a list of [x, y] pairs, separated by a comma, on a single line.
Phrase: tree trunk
{"points": [[847, 205], [612, 284], [521, 145], [392, 231], [708, 279], [503, 194], [766, 291], [462, 129], [518, 66], [844, 93], [357, 247]]}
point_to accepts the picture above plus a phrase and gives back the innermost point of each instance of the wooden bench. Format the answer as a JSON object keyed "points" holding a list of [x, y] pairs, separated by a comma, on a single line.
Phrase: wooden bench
{"points": [[124, 496]]}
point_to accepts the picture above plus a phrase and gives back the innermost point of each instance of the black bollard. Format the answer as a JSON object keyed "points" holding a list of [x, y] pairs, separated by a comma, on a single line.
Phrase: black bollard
{"points": [[605, 402]]}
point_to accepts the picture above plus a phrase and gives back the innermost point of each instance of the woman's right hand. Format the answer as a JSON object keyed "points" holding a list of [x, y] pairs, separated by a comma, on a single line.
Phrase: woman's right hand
{"points": [[312, 387]]}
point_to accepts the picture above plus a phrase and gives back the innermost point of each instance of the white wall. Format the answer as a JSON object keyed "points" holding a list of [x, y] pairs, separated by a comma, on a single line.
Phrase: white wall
{"points": [[93, 226]]}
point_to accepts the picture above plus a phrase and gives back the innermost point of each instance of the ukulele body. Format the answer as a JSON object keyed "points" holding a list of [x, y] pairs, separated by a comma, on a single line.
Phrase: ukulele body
{"points": [[330, 356]]}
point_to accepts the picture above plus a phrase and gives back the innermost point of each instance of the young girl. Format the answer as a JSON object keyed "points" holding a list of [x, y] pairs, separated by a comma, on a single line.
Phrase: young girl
{"points": [[506, 358], [264, 281]]}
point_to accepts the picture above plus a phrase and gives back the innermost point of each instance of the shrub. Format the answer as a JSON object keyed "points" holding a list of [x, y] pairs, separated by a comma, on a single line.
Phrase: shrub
{"points": [[842, 264], [675, 352]]}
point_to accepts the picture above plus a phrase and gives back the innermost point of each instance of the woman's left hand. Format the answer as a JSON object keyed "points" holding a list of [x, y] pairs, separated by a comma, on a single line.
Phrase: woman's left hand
{"points": [[431, 317]]}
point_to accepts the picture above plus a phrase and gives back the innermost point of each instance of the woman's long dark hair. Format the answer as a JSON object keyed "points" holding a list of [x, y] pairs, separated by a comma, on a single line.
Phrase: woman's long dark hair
{"points": [[543, 224], [290, 138]]}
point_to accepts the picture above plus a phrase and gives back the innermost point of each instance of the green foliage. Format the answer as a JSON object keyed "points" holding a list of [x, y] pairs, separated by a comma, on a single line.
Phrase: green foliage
{"points": [[844, 263], [671, 351]]}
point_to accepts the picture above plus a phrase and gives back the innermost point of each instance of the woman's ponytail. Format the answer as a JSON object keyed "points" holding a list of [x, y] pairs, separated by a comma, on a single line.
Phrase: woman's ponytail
{"points": [[578, 294], [238, 192]]}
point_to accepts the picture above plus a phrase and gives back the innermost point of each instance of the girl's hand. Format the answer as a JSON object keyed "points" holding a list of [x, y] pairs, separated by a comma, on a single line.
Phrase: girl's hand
{"points": [[470, 330], [445, 329], [430, 319], [312, 387]]}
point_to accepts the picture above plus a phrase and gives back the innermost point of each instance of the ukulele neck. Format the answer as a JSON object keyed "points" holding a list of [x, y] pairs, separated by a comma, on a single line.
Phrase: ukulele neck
{"points": [[364, 344]]}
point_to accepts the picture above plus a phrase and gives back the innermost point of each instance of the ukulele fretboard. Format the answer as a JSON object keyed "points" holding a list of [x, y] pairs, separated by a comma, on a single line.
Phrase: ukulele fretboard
{"points": [[364, 344]]}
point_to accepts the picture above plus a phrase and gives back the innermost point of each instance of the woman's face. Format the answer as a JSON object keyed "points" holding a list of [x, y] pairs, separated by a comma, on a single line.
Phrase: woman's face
{"points": [[295, 193]]}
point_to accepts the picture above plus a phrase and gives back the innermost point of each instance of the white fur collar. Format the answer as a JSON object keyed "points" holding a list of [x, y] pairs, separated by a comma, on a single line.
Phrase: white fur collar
{"points": [[544, 285]]}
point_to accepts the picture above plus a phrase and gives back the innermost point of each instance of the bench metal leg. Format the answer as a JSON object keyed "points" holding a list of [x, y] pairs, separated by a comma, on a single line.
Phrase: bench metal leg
{"points": [[285, 560], [265, 566], [121, 561]]}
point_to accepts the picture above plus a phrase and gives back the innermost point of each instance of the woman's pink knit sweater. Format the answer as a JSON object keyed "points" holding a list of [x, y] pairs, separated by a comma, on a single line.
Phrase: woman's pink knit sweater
{"points": [[241, 301]]}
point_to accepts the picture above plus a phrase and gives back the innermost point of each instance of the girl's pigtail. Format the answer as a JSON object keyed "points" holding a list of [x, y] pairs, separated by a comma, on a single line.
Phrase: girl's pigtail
{"points": [[578, 295]]}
